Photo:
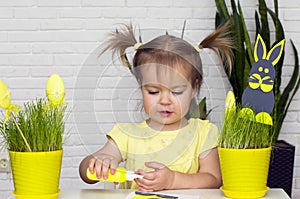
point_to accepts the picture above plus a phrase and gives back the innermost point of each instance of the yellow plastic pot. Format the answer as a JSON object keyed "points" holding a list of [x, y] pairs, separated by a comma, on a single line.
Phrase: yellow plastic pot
{"points": [[36, 174], [244, 172]]}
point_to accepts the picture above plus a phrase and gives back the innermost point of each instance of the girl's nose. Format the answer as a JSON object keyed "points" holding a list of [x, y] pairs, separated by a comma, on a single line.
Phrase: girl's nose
{"points": [[165, 98]]}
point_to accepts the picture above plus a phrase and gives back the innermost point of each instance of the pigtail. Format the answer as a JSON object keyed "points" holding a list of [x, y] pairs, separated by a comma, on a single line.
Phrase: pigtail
{"points": [[119, 41], [221, 43]]}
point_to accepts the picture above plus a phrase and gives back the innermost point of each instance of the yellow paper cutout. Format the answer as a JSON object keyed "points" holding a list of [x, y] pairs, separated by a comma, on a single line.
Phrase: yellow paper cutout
{"points": [[264, 118]]}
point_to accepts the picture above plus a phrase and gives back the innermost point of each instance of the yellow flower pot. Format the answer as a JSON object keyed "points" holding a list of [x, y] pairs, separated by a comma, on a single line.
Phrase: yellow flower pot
{"points": [[36, 174], [244, 172]]}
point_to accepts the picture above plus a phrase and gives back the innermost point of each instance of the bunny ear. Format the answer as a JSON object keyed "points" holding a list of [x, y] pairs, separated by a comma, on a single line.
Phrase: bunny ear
{"points": [[260, 50], [276, 52]]}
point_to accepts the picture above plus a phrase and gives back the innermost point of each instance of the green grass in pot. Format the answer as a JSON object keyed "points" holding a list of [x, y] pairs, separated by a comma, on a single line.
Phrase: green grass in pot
{"points": [[241, 132], [42, 127]]}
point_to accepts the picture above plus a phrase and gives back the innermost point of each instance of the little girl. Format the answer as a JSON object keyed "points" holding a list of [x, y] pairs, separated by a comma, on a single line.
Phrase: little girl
{"points": [[168, 150]]}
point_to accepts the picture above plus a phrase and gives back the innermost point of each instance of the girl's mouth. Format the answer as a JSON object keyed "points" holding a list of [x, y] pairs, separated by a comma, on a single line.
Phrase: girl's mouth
{"points": [[165, 113]]}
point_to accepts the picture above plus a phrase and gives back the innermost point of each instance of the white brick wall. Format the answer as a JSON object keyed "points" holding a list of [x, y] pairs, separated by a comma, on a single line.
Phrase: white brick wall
{"points": [[40, 37]]}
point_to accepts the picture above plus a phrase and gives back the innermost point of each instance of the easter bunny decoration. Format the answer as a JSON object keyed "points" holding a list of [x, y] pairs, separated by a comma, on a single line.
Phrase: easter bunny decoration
{"points": [[258, 97]]}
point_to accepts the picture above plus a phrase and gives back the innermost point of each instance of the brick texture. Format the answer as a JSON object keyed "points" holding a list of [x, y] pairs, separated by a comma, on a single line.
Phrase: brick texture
{"points": [[40, 37]]}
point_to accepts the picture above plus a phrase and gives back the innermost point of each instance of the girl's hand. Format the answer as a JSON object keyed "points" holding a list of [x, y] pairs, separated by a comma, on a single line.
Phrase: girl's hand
{"points": [[161, 178], [100, 163], [107, 157]]}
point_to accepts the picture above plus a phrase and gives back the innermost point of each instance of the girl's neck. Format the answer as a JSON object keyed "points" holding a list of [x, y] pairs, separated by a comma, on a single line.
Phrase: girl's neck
{"points": [[167, 127]]}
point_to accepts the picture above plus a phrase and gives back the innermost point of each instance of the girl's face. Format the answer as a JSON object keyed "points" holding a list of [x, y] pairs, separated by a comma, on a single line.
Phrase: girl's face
{"points": [[167, 93]]}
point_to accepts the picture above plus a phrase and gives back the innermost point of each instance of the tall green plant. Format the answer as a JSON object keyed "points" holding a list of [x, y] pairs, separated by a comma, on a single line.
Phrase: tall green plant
{"points": [[243, 56]]}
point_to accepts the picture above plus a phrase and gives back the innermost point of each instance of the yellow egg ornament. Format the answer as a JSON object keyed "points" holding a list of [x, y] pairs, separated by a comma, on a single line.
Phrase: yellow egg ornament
{"points": [[55, 91], [4, 95], [5, 101], [230, 102]]}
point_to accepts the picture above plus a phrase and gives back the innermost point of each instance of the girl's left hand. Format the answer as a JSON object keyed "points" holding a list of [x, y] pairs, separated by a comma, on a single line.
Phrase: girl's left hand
{"points": [[161, 178]]}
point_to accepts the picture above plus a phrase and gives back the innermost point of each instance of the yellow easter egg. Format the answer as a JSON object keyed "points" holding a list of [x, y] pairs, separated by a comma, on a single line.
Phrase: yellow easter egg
{"points": [[230, 101], [4, 95], [55, 90]]}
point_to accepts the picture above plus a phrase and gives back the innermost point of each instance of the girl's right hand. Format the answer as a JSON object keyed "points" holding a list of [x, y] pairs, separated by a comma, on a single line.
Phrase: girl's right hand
{"points": [[108, 157], [101, 164]]}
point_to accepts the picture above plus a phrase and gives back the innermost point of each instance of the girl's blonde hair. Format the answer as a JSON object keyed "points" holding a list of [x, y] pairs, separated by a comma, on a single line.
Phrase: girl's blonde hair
{"points": [[171, 51]]}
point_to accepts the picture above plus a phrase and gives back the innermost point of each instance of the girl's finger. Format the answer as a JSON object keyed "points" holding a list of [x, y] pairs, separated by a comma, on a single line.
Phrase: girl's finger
{"points": [[92, 165], [113, 166], [105, 167], [98, 166]]}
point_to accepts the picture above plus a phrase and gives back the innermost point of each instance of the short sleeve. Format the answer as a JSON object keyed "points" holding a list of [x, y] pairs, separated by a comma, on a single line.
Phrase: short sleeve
{"points": [[211, 139], [120, 138]]}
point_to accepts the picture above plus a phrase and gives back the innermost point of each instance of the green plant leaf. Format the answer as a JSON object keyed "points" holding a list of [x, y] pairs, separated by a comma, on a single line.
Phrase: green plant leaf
{"points": [[233, 6], [246, 35], [279, 36], [257, 24], [246, 72], [285, 99], [281, 100], [264, 23], [222, 8], [217, 20], [237, 77], [203, 109], [276, 7], [198, 110]]}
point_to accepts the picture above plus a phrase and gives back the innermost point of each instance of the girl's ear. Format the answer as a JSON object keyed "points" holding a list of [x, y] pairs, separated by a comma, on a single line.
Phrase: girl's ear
{"points": [[276, 52], [260, 51]]}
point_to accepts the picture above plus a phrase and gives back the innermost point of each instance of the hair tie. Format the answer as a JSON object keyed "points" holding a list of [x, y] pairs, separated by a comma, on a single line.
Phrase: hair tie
{"points": [[198, 48], [137, 45]]}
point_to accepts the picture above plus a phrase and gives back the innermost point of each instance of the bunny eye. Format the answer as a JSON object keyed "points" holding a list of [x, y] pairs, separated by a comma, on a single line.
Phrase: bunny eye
{"points": [[260, 69], [266, 70]]}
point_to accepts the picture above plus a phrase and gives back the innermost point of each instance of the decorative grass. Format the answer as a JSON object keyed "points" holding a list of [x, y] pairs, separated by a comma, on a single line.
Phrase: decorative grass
{"points": [[43, 127], [240, 132]]}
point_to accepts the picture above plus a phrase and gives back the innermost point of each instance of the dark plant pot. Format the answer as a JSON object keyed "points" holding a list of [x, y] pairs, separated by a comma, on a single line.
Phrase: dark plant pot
{"points": [[282, 166]]}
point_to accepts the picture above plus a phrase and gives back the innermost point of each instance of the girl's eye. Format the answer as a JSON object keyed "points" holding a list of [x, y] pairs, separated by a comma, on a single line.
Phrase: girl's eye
{"points": [[153, 92], [177, 92]]}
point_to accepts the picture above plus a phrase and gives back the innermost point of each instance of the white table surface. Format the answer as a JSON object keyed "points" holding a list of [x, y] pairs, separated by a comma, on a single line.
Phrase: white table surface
{"points": [[183, 194]]}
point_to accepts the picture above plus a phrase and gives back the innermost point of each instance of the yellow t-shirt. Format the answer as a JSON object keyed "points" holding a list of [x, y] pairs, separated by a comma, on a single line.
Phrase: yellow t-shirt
{"points": [[178, 149]]}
